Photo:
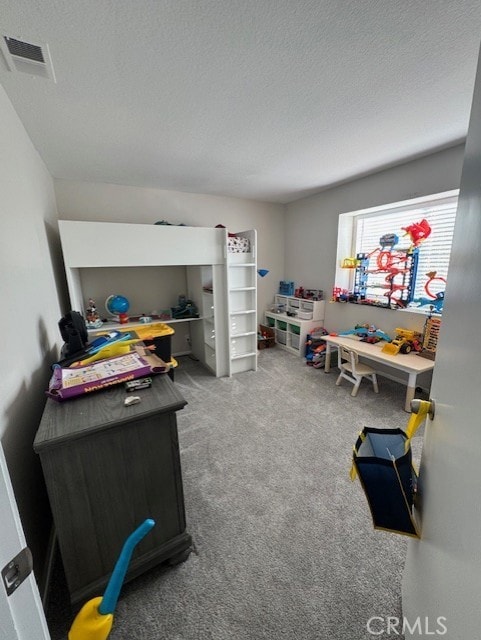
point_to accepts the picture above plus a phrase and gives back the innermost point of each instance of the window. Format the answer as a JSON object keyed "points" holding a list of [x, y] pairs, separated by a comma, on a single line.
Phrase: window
{"points": [[397, 255]]}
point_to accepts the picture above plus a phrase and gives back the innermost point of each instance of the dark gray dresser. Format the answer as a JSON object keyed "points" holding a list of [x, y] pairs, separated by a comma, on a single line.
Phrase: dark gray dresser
{"points": [[107, 468]]}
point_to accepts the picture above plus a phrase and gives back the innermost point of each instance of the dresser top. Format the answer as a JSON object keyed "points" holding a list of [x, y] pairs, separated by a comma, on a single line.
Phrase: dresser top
{"points": [[105, 409]]}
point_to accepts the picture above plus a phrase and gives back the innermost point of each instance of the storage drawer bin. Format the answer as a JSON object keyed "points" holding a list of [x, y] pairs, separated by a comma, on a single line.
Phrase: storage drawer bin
{"points": [[282, 325], [162, 347], [304, 315], [293, 328], [157, 334], [281, 336], [295, 341], [307, 306], [267, 337]]}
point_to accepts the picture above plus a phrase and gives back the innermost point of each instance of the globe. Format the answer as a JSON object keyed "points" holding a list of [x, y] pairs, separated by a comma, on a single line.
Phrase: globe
{"points": [[116, 304]]}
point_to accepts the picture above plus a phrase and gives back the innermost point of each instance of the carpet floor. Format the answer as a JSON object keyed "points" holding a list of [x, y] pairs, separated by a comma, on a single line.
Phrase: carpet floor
{"points": [[284, 546]]}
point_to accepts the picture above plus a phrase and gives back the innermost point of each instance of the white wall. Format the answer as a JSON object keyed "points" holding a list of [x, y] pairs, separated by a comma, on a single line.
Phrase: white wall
{"points": [[29, 317], [116, 203], [311, 230]]}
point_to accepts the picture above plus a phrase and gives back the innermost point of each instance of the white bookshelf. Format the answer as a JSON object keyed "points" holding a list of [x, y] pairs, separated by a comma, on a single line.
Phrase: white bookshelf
{"points": [[293, 319]]}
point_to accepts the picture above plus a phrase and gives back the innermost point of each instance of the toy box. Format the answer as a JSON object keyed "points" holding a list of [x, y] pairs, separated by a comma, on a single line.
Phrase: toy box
{"points": [[266, 337], [286, 288], [157, 335]]}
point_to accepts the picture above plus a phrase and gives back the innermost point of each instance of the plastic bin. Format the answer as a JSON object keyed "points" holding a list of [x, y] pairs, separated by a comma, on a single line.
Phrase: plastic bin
{"points": [[305, 315], [152, 333], [267, 337], [159, 335], [295, 339], [281, 336], [286, 288]]}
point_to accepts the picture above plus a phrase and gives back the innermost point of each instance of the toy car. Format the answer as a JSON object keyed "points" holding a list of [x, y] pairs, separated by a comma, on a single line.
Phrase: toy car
{"points": [[406, 340]]}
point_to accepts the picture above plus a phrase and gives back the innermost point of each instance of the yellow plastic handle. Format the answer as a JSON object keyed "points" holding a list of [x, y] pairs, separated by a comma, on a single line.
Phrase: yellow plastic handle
{"points": [[416, 419], [89, 624]]}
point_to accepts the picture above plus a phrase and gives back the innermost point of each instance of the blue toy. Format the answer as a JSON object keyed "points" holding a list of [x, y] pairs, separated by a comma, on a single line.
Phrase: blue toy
{"points": [[436, 303], [368, 333], [185, 309], [116, 304]]}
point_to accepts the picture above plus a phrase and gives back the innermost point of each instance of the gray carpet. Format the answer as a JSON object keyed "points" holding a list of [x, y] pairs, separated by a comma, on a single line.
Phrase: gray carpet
{"points": [[284, 544]]}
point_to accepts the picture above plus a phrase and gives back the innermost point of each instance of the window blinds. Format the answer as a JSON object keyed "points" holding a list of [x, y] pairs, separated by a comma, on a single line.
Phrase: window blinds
{"points": [[434, 252]]}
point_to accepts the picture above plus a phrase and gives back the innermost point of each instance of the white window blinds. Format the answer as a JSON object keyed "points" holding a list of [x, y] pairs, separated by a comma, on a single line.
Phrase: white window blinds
{"points": [[371, 231]]}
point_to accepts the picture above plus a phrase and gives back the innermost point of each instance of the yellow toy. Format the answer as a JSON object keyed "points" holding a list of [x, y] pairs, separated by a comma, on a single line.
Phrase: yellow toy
{"points": [[94, 620], [405, 341], [144, 332]]}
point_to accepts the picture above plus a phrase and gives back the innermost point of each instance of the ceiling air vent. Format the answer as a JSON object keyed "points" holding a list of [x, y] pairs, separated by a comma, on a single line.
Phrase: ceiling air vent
{"points": [[27, 57]]}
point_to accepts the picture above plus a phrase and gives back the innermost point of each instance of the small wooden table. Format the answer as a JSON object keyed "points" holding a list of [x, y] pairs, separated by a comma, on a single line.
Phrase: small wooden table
{"points": [[410, 363]]}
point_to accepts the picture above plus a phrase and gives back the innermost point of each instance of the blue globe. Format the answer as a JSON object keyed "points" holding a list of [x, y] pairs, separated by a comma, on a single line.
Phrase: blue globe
{"points": [[116, 304]]}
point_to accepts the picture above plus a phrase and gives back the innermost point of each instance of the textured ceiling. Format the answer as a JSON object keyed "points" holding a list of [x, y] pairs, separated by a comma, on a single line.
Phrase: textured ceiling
{"points": [[263, 99]]}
